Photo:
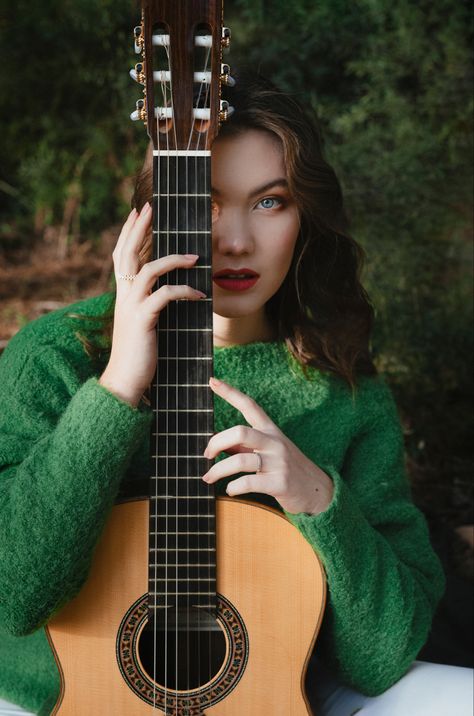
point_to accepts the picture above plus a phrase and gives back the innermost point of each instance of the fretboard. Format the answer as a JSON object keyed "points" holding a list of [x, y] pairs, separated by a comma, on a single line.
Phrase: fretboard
{"points": [[182, 557]]}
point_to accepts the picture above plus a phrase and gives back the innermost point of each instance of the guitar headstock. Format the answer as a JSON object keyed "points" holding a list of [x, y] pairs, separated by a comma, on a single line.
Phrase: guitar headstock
{"points": [[181, 44]]}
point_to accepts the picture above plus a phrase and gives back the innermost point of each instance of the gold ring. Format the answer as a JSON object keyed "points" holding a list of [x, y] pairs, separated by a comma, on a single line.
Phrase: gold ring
{"points": [[259, 469]]}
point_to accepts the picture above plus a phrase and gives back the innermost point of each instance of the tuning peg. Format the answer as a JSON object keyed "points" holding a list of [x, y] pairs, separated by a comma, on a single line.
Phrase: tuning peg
{"points": [[226, 78], [140, 112], [226, 35], [138, 73], [225, 111], [139, 39]]}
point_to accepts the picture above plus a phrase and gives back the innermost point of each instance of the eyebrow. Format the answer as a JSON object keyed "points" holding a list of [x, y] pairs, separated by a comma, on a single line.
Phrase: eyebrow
{"points": [[269, 185]]}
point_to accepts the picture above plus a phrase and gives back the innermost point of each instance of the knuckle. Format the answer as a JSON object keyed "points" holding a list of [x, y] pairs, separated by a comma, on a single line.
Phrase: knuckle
{"points": [[241, 433]]}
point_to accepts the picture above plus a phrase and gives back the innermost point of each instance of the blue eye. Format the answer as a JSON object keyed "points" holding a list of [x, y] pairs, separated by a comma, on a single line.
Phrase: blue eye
{"points": [[269, 202]]}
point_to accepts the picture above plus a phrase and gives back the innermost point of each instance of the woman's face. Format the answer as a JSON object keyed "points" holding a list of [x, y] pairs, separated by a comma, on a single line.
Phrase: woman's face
{"points": [[255, 227]]}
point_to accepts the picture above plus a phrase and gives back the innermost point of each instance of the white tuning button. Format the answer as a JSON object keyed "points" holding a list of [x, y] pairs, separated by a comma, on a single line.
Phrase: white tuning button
{"points": [[140, 112], [138, 38], [226, 35], [137, 73], [225, 111], [226, 78]]}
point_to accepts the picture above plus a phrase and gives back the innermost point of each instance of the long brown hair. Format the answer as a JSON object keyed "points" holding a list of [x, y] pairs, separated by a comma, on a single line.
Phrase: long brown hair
{"points": [[321, 310]]}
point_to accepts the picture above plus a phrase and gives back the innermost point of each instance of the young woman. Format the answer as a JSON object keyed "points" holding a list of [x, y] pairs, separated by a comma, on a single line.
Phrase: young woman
{"points": [[322, 441]]}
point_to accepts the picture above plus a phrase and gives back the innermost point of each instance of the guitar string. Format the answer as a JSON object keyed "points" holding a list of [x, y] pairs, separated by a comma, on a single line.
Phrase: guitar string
{"points": [[167, 402], [198, 372], [176, 329], [154, 508], [208, 420], [210, 349]]}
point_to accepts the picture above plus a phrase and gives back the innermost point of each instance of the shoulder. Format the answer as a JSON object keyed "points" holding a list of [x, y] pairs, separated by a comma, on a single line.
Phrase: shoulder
{"points": [[53, 337], [58, 328]]}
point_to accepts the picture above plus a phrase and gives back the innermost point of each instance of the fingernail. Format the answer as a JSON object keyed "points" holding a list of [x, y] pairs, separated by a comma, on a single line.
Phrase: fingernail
{"points": [[146, 207], [200, 294], [191, 256], [215, 381]]}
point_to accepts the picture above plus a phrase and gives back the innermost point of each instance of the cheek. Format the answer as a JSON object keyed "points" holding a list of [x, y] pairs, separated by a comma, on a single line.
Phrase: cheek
{"points": [[283, 240]]}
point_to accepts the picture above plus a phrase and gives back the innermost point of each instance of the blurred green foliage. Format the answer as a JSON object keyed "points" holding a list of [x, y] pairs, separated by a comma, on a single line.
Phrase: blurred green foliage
{"points": [[391, 83]]}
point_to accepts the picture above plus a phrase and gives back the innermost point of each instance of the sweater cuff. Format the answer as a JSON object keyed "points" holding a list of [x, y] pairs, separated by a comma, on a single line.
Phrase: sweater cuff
{"points": [[114, 423], [339, 521]]}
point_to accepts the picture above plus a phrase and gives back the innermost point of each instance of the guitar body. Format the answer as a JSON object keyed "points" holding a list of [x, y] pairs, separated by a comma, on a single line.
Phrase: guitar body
{"points": [[271, 596]]}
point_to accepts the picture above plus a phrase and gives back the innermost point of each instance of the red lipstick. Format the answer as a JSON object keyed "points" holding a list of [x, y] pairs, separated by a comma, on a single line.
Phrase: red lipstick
{"points": [[236, 279]]}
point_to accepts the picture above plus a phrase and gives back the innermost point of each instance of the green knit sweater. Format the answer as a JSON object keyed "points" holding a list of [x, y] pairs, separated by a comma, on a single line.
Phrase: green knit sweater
{"points": [[67, 444]]}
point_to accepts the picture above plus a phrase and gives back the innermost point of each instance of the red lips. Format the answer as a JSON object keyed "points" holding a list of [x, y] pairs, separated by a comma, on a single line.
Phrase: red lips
{"points": [[235, 272], [236, 279]]}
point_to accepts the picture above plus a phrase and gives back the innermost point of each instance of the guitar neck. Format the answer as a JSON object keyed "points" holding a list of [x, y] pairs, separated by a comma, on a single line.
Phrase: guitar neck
{"points": [[182, 555]]}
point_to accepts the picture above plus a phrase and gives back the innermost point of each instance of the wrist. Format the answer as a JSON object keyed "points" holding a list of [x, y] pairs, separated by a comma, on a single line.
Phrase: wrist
{"points": [[324, 492], [120, 389]]}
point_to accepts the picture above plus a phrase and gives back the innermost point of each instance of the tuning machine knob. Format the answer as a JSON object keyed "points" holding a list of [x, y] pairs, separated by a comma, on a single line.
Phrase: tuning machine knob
{"points": [[226, 35], [226, 78], [140, 112], [138, 73], [138, 39], [225, 111]]}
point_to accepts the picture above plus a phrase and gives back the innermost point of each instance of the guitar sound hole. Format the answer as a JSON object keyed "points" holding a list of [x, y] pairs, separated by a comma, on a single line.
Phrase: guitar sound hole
{"points": [[184, 653]]}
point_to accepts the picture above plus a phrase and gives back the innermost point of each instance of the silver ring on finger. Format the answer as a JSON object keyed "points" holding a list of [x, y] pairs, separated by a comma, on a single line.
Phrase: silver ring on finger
{"points": [[259, 468], [126, 276]]}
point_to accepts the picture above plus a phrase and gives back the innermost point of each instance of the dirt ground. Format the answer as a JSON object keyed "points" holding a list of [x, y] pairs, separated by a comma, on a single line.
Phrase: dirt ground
{"points": [[36, 282]]}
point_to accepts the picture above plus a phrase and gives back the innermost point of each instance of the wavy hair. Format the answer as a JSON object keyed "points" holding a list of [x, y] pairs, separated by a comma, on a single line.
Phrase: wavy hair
{"points": [[321, 310]]}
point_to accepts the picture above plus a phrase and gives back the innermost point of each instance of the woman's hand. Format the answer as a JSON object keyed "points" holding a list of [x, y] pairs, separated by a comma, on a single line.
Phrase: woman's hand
{"points": [[133, 356], [285, 473]]}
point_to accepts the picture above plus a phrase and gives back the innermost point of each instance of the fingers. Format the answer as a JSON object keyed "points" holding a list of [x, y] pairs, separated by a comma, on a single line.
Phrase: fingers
{"points": [[243, 462], [146, 279], [131, 240], [126, 257], [238, 435], [252, 412], [158, 300], [125, 232]]}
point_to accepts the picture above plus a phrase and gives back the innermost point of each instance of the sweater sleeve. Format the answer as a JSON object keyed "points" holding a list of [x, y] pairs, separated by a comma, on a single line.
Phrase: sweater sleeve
{"points": [[65, 443], [384, 580]]}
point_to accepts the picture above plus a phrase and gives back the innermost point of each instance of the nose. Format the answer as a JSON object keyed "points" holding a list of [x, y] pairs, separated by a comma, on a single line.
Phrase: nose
{"points": [[231, 233]]}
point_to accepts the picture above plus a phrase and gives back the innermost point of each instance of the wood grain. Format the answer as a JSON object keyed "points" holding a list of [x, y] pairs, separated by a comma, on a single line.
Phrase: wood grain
{"points": [[265, 568]]}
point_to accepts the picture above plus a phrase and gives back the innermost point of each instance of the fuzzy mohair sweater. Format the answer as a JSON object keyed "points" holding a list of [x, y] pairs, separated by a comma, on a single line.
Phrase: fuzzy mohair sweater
{"points": [[66, 444]]}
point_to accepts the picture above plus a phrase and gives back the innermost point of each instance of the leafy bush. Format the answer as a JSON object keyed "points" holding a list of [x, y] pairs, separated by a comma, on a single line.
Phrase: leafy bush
{"points": [[390, 82]]}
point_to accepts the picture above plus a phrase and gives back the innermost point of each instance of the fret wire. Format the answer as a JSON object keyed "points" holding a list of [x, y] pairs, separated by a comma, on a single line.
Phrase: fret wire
{"points": [[181, 497], [184, 549], [194, 478], [182, 579], [199, 153], [179, 515], [163, 534], [198, 457], [162, 358], [171, 606], [182, 410], [180, 385], [178, 330], [172, 564], [180, 594], [173, 232], [184, 434]]}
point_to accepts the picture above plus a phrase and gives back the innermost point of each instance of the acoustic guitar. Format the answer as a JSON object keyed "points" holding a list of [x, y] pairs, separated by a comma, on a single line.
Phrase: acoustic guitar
{"points": [[194, 604]]}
